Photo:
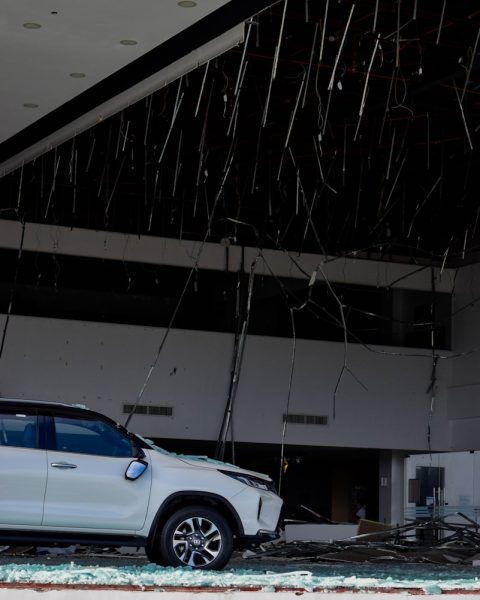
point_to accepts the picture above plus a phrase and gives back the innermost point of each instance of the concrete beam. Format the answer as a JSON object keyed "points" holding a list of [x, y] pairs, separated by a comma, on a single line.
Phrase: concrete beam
{"points": [[219, 257]]}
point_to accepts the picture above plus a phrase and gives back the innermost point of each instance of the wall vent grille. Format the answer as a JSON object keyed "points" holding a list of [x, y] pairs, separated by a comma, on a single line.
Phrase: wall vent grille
{"points": [[306, 419], [148, 409]]}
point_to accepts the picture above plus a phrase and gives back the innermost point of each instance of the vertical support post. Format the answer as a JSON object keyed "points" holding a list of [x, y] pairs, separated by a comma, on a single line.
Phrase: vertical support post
{"points": [[391, 496]]}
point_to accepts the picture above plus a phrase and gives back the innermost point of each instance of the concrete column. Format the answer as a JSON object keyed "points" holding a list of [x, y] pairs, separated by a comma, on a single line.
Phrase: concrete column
{"points": [[391, 492]]}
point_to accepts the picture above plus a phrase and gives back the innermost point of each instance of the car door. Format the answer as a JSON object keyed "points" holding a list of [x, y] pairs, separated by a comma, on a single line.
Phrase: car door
{"points": [[23, 468], [86, 487]]}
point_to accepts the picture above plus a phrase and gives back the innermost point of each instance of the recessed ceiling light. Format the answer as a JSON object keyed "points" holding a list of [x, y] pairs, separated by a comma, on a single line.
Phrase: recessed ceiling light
{"points": [[32, 25], [77, 75], [129, 42], [30, 105], [187, 3]]}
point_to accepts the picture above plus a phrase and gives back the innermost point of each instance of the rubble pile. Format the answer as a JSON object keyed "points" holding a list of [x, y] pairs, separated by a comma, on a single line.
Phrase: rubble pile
{"points": [[439, 540]]}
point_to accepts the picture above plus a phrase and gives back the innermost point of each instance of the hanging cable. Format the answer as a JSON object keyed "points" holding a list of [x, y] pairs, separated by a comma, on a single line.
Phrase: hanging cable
{"points": [[433, 380], [193, 270], [14, 286], [287, 405], [236, 367]]}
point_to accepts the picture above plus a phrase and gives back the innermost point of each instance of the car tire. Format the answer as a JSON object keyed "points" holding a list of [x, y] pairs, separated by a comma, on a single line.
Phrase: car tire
{"points": [[197, 537], [152, 552]]}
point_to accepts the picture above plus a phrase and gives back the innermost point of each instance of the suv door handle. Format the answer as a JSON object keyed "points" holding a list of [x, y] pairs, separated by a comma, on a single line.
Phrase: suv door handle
{"points": [[63, 465]]}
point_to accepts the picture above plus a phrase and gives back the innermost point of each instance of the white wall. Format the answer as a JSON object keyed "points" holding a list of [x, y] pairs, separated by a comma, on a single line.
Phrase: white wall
{"points": [[104, 366]]}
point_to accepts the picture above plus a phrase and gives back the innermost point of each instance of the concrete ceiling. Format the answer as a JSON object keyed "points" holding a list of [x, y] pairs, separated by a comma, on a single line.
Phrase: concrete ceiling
{"points": [[362, 140]]}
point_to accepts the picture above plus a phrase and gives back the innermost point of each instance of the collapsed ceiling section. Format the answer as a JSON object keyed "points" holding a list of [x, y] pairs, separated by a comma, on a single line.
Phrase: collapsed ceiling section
{"points": [[335, 128]]}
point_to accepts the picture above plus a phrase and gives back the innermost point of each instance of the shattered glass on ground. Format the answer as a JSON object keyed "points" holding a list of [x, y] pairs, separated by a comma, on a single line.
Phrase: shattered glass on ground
{"points": [[239, 574]]}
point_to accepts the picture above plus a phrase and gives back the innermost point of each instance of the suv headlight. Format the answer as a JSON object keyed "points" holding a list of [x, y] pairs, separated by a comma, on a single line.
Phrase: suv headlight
{"points": [[251, 480]]}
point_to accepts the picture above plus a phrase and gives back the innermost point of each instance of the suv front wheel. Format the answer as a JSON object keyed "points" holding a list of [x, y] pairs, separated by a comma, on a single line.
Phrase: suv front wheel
{"points": [[197, 537]]}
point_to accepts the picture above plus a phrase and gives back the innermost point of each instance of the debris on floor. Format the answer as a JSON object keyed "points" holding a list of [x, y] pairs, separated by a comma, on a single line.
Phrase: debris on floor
{"points": [[438, 540]]}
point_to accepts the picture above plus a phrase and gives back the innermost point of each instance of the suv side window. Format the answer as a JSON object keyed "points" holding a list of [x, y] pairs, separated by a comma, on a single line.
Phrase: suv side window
{"points": [[90, 436], [18, 429]]}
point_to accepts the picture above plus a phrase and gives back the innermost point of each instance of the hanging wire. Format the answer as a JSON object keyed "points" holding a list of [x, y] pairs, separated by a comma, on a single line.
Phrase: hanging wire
{"points": [[14, 286], [433, 379], [287, 404], [239, 348], [192, 271], [274, 65]]}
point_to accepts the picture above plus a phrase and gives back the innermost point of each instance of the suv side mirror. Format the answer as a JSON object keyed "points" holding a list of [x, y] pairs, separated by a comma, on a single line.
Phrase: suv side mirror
{"points": [[136, 468]]}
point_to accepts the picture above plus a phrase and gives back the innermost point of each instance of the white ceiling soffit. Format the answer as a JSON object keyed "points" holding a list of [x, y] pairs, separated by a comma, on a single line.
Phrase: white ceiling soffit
{"points": [[67, 67], [126, 98]]}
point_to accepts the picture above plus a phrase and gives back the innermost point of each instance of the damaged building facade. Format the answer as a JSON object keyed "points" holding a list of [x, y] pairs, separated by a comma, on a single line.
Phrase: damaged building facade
{"points": [[346, 414], [257, 240]]}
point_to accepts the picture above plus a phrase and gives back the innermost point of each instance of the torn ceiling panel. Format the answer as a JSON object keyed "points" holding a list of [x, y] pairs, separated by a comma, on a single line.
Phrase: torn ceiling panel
{"points": [[337, 128]]}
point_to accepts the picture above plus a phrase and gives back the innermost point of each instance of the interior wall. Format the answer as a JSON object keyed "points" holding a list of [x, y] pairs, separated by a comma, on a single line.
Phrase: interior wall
{"points": [[382, 399], [462, 476]]}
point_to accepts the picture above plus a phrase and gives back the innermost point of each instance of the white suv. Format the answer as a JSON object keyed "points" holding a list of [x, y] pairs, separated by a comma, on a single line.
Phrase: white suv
{"points": [[69, 475]]}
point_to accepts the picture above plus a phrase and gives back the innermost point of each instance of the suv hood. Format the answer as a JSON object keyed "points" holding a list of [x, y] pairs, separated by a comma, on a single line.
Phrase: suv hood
{"points": [[203, 461], [210, 463]]}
